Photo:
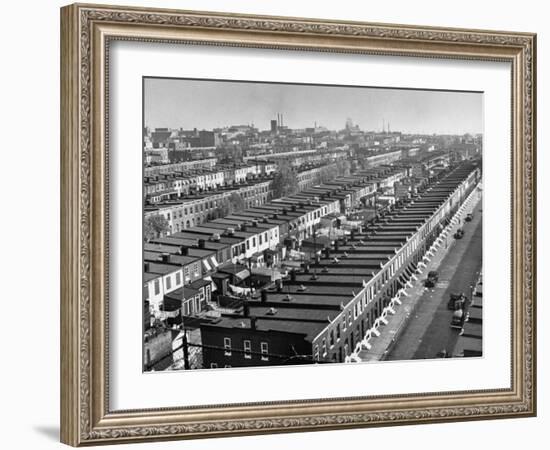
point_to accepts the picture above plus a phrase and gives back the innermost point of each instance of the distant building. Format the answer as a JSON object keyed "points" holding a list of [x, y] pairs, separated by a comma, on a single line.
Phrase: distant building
{"points": [[208, 139]]}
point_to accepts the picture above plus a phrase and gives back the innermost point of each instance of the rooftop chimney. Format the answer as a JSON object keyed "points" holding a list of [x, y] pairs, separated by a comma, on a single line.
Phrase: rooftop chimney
{"points": [[184, 250], [253, 323], [165, 257]]}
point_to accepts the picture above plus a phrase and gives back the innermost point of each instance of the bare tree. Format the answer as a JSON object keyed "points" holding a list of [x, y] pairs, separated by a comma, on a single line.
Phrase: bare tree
{"points": [[285, 181], [155, 226]]}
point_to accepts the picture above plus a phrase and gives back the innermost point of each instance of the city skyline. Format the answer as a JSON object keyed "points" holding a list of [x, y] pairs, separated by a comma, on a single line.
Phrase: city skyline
{"points": [[410, 111]]}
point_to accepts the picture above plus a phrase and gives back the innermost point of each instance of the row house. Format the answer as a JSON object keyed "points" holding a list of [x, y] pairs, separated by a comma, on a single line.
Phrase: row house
{"points": [[194, 210], [306, 214], [180, 255], [181, 183], [322, 312], [183, 166], [177, 242], [238, 173], [187, 301], [160, 279], [383, 282], [252, 240]]}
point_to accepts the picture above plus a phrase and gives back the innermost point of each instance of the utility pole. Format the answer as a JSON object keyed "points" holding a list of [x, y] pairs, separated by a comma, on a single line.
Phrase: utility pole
{"points": [[186, 364], [185, 347]]}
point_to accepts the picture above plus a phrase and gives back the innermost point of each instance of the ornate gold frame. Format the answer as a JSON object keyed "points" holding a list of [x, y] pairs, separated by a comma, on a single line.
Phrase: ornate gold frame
{"points": [[85, 34]]}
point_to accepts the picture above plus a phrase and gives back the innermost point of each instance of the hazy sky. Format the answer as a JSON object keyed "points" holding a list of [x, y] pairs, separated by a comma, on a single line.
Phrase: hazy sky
{"points": [[210, 104]]}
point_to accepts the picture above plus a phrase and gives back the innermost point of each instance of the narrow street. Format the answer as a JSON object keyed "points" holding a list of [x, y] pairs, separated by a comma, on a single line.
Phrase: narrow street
{"points": [[428, 331]]}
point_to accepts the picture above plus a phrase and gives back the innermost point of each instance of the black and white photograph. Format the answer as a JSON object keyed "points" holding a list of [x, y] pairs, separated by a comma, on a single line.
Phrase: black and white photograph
{"points": [[290, 224]]}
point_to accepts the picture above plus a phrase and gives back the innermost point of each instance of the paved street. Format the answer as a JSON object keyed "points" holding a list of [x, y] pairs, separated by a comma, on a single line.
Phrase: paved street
{"points": [[429, 331]]}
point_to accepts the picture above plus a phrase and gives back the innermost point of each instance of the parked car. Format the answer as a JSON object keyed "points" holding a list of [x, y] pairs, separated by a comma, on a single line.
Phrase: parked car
{"points": [[459, 234], [458, 319], [456, 301], [433, 276], [469, 217]]}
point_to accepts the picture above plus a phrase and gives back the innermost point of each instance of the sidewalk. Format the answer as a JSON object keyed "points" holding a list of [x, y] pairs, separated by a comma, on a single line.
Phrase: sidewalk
{"points": [[413, 292]]}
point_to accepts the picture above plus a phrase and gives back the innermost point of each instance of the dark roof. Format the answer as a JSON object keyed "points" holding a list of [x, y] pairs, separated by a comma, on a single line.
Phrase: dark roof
{"points": [[174, 258], [199, 284], [309, 330], [182, 293], [162, 269]]}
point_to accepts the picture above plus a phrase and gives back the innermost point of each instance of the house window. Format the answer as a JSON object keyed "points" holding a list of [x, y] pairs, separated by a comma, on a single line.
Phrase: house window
{"points": [[324, 347], [178, 278], [227, 346], [331, 340], [337, 331], [247, 349], [349, 318], [157, 287], [264, 351], [344, 323], [168, 282]]}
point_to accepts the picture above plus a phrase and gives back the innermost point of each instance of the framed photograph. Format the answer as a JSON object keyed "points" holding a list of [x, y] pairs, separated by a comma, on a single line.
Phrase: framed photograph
{"points": [[276, 224]]}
